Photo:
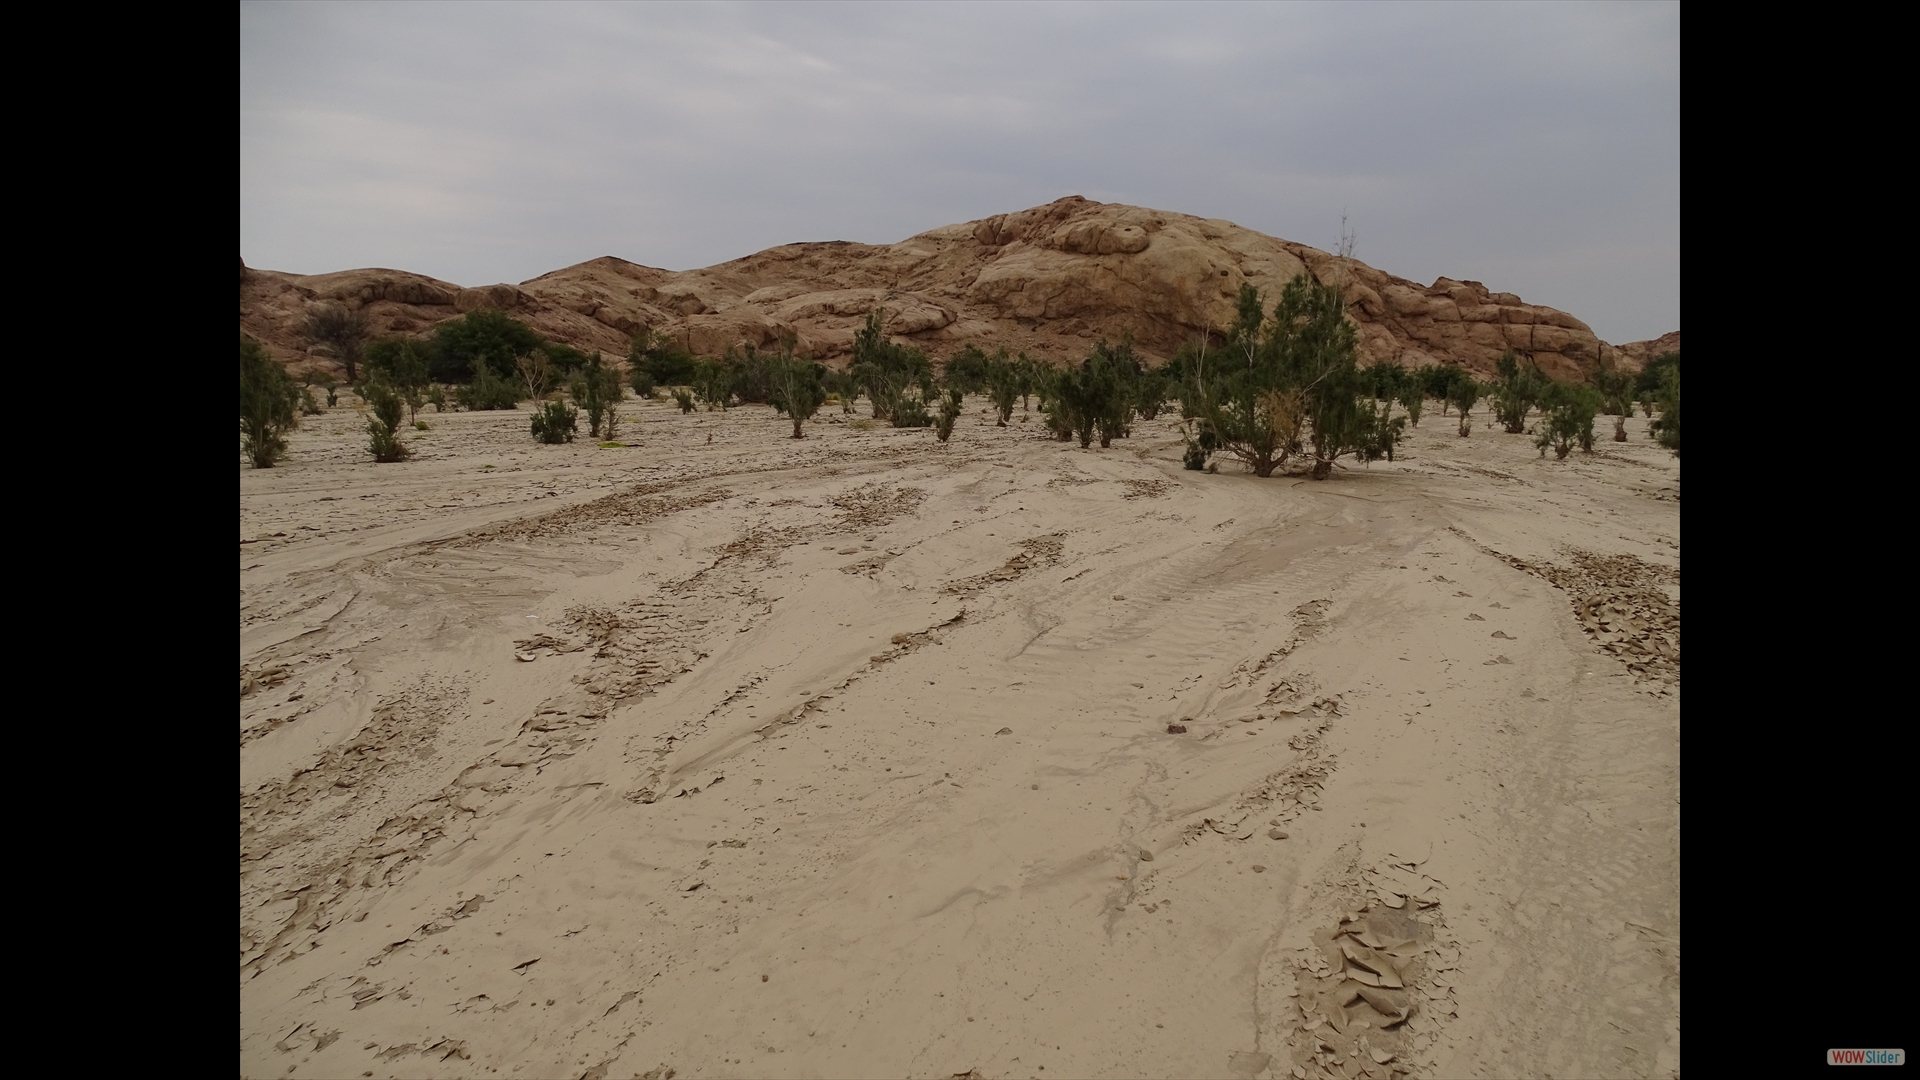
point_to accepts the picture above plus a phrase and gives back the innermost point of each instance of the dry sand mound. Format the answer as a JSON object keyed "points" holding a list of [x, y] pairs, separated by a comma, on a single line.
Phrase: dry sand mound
{"points": [[865, 755]]}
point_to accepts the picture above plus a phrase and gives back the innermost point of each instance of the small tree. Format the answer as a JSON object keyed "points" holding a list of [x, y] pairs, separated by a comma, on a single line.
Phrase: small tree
{"points": [[1412, 397], [555, 422], [1003, 386], [949, 412], [383, 427], [797, 388], [1616, 399], [487, 390], [1569, 420], [683, 397], [713, 383], [536, 371], [1462, 394], [597, 389], [267, 398], [341, 332], [1666, 430], [1516, 391]]}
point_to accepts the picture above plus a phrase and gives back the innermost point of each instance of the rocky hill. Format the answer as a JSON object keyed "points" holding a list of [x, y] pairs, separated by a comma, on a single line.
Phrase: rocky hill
{"points": [[1049, 280]]}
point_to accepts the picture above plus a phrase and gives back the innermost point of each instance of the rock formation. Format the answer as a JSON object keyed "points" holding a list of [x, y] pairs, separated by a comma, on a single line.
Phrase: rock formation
{"points": [[1049, 280]]}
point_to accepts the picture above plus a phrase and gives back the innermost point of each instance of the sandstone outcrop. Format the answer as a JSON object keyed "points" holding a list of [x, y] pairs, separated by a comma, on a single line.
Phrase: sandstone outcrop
{"points": [[1047, 280]]}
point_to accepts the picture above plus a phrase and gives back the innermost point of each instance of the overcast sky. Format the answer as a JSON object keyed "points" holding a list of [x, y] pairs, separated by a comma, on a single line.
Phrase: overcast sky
{"points": [[1533, 147]]}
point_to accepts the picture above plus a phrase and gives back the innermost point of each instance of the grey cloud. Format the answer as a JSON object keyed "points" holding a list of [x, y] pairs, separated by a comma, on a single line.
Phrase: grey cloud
{"points": [[1533, 147]]}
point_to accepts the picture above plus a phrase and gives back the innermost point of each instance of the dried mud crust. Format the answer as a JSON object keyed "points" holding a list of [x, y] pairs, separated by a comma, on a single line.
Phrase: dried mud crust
{"points": [[1372, 992], [638, 506], [1622, 603], [875, 505], [302, 865], [1035, 552]]}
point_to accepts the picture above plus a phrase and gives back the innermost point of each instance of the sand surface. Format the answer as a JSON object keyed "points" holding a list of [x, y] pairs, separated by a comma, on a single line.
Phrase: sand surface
{"points": [[733, 755]]}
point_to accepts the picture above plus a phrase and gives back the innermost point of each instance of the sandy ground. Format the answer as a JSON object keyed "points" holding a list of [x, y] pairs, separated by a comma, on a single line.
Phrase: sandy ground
{"points": [[724, 754]]}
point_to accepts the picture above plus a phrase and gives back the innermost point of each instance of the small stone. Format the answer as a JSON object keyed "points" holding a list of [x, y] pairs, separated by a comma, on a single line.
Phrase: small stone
{"points": [[763, 978], [1259, 869], [1145, 855], [1276, 834], [1004, 731], [1176, 729], [524, 657]]}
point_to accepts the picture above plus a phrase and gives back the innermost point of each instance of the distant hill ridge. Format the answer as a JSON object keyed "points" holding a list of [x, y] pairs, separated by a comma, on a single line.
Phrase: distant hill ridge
{"points": [[1049, 280]]}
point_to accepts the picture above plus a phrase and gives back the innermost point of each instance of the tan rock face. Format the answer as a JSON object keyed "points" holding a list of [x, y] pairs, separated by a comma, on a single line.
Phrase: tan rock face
{"points": [[1047, 280]]}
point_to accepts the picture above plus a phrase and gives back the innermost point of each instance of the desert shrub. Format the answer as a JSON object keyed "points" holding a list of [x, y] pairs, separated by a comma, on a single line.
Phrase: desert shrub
{"points": [[1201, 444], [437, 397], [842, 386], [1461, 394], [403, 363], [950, 407], [1386, 431], [1150, 392], [487, 390], [798, 389], [338, 332], [1518, 387], [1386, 380], [383, 427], [565, 360], [910, 412], [642, 382], [886, 372], [1652, 379], [1003, 386], [1666, 429], [421, 425], [536, 373], [1307, 345], [308, 406], [751, 374], [460, 346], [1412, 396], [597, 389], [555, 422], [266, 405], [713, 384], [660, 359], [683, 397], [1568, 421], [968, 369]]}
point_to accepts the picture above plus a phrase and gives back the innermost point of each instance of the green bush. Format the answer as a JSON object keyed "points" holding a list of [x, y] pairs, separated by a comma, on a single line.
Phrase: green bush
{"points": [[1461, 394], [340, 332], [683, 397], [460, 346], [713, 383], [1516, 390], [798, 389], [437, 397], [1286, 384], [886, 371], [1412, 396], [659, 359], [1003, 385], [1666, 429], [1569, 420], [487, 391], [597, 389], [383, 427], [949, 412], [555, 422], [267, 398]]}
